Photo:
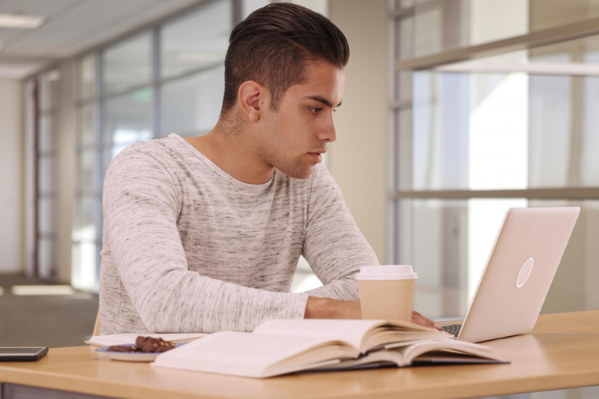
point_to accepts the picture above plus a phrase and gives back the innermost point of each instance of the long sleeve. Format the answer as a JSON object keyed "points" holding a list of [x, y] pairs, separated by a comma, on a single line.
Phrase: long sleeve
{"points": [[334, 246], [141, 207]]}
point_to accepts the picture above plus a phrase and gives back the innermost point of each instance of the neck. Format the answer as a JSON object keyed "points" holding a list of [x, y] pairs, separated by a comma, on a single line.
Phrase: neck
{"points": [[230, 148]]}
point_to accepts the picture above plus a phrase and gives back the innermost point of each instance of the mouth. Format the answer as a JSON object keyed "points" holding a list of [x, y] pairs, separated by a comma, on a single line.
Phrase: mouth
{"points": [[317, 156]]}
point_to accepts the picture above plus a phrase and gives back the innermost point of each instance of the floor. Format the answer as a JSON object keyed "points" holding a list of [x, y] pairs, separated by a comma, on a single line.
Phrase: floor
{"points": [[44, 320]]}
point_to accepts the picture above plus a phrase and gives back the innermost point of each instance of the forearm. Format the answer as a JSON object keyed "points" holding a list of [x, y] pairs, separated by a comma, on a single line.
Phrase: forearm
{"points": [[326, 308], [344, 289], [184, 301]]}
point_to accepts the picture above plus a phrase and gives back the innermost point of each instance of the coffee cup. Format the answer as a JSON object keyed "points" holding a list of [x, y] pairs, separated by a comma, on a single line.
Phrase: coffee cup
{"points": [[387, 292]]}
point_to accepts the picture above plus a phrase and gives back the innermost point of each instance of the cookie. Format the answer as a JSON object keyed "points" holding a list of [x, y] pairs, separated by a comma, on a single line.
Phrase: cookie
{"points": [[153, 345], [125, 349]]}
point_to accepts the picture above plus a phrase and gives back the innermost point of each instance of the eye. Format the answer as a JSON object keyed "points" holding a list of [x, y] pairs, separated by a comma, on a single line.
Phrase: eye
{"points": [[315, 110]]}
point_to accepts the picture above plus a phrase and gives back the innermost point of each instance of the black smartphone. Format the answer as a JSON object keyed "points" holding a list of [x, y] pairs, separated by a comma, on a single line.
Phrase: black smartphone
{"points": [[22, 354]]}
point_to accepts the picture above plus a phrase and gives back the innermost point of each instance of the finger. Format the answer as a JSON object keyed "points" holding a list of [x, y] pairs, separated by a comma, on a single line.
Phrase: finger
{"points": [[419, 319], [424, 321]]}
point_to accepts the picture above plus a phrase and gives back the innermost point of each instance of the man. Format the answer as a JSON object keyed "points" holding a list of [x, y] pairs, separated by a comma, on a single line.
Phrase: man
{"points": [[203, 234]]}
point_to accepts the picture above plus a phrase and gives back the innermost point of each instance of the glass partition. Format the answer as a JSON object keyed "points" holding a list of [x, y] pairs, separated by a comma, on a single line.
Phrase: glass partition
{"points": [[452, 239], [532, 128], [439, 26], [197, 40], [191, 106], [127, 64], [86, 77], [521, 124], [127, 119], [46, 191], [166, 78]]}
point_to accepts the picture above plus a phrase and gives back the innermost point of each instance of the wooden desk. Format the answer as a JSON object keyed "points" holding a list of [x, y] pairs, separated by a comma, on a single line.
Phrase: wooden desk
{"points": [[562, 352]]}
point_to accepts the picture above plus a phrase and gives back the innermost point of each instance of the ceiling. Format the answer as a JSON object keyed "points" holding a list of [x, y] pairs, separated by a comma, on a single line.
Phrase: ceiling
{"points": [[72, 26]]}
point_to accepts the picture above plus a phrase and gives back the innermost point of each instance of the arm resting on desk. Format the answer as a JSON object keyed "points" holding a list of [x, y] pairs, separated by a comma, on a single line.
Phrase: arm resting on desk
{"points": [[141, 229]]}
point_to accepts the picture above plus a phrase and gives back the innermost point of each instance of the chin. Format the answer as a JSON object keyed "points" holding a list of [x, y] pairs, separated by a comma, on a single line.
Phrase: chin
{"points": [[300, 173]]}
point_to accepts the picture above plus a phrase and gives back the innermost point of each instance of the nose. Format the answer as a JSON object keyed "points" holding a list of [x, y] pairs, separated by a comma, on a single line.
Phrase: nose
{"points": [[328, 132]]}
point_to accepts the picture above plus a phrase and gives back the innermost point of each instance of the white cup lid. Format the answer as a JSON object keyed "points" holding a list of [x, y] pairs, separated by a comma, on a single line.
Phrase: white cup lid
{"points": [[386, 272]]}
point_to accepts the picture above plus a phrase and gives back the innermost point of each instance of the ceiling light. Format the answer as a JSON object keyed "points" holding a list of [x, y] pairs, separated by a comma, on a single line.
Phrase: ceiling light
{"points": [[21, 21]]}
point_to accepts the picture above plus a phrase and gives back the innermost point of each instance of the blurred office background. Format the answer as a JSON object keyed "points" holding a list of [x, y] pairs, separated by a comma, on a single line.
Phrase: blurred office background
{"points": [[454, 111]]}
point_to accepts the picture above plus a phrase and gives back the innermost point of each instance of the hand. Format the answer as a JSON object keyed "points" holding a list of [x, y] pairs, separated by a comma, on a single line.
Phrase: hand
{"points": [[324, 308], [423, 321]]}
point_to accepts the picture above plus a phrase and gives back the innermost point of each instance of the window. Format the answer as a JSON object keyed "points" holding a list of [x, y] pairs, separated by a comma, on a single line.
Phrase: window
{"points": [[43, 134], [474, 138], [196, 41], [87, 214], [167, 78], [191, 105], [127, 64]]}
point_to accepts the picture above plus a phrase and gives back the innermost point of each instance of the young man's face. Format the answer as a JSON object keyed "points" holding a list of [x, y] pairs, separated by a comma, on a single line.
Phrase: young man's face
{"points": [[294, 138]]}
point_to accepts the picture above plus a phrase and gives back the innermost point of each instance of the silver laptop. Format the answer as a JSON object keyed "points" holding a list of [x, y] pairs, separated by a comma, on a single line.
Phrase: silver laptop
{"points": [[518, 274]]}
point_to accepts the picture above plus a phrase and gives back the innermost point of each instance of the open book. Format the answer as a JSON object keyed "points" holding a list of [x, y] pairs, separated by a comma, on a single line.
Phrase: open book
{"points": [[284, 346]]}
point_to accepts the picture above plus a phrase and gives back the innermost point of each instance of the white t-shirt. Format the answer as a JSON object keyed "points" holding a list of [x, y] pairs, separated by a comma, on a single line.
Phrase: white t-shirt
{"points": [[188, 248]]}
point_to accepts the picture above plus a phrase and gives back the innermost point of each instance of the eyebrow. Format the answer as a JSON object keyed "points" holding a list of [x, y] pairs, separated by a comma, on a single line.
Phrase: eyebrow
{"points": [[323, 100]]}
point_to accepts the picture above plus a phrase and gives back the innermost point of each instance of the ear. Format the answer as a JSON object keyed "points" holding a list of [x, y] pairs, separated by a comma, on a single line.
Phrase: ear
{"points": [[253, 99]]}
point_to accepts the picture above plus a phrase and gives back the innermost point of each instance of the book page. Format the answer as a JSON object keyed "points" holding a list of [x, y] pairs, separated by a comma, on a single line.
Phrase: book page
{"points": [[382, 336], [441, 351], [122, 339], [349, 331], [364, 335], [377, 358], [246, 354], [415, 340], [476, 350]]}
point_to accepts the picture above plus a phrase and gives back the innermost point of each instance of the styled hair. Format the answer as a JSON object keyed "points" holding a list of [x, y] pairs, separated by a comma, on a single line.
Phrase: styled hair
{"points": [[273, 47]]}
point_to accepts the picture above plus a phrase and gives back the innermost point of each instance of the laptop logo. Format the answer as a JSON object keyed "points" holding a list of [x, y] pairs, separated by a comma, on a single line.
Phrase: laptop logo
{"points": [[525, 271]]}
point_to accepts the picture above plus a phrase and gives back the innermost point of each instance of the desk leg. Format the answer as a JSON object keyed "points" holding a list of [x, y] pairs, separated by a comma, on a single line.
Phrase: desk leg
{"points": [[14, 391]]}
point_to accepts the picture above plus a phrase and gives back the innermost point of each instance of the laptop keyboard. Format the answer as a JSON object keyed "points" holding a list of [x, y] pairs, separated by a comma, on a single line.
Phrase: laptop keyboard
{"points": [[452, 329]]}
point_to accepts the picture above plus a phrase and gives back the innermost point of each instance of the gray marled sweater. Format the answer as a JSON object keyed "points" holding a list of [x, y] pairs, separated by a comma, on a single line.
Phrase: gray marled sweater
{"points": [[188, 248]]}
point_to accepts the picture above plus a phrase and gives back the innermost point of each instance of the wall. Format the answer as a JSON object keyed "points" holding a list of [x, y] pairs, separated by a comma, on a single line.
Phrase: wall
{"points": [[358, 159], [11, 177]]}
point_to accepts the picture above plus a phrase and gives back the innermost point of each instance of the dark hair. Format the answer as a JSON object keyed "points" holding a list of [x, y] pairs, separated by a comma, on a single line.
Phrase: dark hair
{"points": [[273, 46]]}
